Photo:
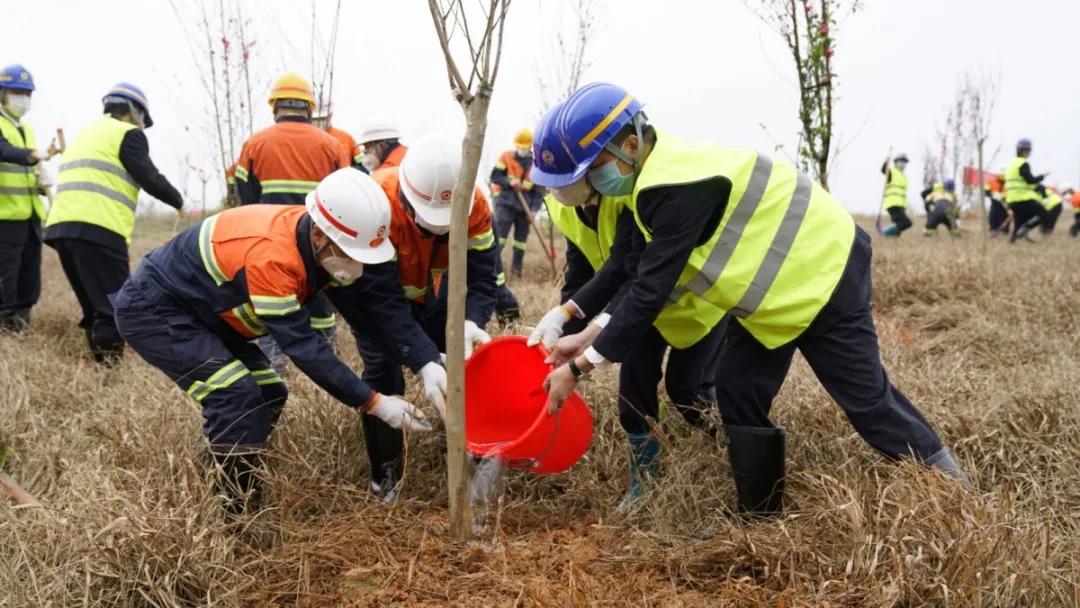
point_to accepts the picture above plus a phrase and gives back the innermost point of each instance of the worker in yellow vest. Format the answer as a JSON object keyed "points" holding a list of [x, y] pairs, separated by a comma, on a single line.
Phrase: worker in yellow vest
{"points": [[1021, 194], [943, 209], [93, 216], [896, 184], [1052, 202], [731, 231], [597, 228], [21, 210]]}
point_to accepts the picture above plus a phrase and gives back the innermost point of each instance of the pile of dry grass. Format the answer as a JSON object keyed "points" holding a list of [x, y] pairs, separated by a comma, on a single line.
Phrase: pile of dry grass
{"points": [[984, 344]]}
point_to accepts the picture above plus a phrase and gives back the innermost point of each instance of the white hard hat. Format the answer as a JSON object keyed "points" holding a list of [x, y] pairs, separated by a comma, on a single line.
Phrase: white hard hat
{"points": [[1066, 187], [354, 212], [378, 130], [428, 174]]}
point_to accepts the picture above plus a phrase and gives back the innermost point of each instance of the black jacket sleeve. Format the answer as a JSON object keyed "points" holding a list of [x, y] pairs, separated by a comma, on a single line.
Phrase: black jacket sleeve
{"points": [[679, 218], [1025, 172], [577, 274], [599, 291], [135, 156], [376, 303], [480, 299], [885, 171], [12, 154], [308, 349]]}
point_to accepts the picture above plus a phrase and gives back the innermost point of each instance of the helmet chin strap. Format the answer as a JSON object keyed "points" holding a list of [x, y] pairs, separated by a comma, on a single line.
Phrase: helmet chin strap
{"points": [[635, 163]]}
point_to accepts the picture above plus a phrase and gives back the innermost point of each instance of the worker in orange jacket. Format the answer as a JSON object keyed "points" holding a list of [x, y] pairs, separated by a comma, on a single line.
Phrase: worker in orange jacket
{"points": [[381, 146], [194, 304], [510, 181], [419, 192], [282, 164]]}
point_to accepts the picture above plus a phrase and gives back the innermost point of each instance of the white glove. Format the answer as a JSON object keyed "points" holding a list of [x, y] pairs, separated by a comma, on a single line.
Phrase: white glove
{"points": [[473, 336], [398, 413], [434, 377], [550, 326], [44, 177]]}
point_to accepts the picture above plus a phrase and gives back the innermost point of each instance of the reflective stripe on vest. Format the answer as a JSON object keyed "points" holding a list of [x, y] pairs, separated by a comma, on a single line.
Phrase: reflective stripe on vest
{"points": [[1052, 200], [93, 187], [285, 186], [1017, 190], [18, 184], [896, 189], [778, 252]]}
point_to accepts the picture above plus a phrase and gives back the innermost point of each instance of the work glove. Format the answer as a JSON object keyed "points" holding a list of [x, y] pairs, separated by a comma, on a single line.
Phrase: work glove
{"points": [[434, 378], [515, 183], [474, 335], [549, 328], [398, 413]]}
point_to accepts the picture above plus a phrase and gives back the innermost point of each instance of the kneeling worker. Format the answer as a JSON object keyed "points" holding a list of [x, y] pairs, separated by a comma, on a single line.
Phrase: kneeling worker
{"points": [[733, 230], [194, 305]]}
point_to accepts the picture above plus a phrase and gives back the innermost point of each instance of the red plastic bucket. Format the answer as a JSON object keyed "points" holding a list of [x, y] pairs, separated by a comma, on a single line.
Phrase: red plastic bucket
{"points": [[506, 410]]}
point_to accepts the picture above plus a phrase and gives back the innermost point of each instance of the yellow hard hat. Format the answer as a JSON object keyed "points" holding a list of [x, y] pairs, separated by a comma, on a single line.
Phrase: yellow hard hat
{"points": [[292, 86], [523, 138]]}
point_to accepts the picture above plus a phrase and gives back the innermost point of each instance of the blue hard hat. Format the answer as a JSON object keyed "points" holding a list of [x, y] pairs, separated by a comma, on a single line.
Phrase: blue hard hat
{"points": [[134, 94], [901, 158], [1023, 143], [16, 77], [570, 137], [950, 184]]}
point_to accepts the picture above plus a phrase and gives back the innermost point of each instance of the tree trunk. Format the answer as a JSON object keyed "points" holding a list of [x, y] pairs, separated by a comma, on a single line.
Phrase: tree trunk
{"points": [[457, 459], [981, 197]]}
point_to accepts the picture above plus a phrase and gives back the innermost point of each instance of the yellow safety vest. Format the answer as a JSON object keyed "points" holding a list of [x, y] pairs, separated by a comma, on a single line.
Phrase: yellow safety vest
{"points": [[896, 190], [777, 254], [942, 195], [19, 197], [1052, 200], [1017, 190], [93, 186], [678, 319]]}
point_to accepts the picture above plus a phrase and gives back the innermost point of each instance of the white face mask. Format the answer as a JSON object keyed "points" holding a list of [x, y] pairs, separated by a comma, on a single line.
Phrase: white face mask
{"points": [[523, 152], [370, 161], [17, 105], [576, 194], [901, 164], [343, 270], [436, 230]]}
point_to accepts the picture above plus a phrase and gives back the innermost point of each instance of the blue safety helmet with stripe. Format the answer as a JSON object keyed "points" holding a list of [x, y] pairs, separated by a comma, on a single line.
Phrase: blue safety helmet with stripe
{"points": [[950, 184], [132, 93], [16, 77], [1024, 143], [901, 158], [570, 136]]}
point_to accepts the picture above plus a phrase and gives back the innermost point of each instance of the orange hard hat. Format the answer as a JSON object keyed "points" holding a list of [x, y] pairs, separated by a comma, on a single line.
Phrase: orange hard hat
{"points": [[292, 86]]}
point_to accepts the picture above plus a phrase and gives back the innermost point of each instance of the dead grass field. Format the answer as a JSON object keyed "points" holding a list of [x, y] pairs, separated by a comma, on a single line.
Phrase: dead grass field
{"points": [[985, 344]]}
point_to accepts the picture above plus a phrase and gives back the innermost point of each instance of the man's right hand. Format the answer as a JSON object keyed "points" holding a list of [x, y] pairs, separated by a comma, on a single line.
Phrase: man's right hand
{"points": [[398, 413]]}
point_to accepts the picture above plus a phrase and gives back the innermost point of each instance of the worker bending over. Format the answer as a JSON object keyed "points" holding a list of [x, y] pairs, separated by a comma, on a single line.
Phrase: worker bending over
{"points": [[943, 209], [733, 231], [1021, 194]]}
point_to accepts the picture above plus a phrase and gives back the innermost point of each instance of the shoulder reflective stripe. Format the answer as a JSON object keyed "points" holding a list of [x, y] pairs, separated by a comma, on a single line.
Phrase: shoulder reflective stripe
{"points": [[206, 251], [275, 305], [482, 240], [412, 292], [16, 190], [222, 378], [13, 168], [778, 249], [266, 376], [246, 314], [97, 189], [241, 173], [100, 165], [733, 229], [287, 186], [323, 322]]}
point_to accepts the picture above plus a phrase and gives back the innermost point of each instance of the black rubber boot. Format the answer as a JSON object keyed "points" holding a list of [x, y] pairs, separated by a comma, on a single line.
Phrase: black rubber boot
{"points": [[757, 463], [238, 469], [384, 446]]}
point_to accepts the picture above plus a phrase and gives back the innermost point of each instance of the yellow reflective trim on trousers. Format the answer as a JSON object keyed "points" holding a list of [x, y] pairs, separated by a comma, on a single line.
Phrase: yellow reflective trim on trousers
{"points": [[522, 245], [323, 322], [223, 378], [603, 124], [413, 292], [274, 305], [247, 316], [206, 251], [266, 376], [287, 186], [482, 241]]}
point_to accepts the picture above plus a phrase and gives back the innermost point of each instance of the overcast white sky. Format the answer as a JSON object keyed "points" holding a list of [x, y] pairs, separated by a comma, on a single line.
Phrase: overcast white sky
{"points": [[706, 69]]}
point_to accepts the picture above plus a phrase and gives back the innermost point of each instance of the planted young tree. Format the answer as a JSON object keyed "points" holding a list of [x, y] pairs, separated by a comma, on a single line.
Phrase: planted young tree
{"points": [[981, 92], [809, 29], [472, 65]]}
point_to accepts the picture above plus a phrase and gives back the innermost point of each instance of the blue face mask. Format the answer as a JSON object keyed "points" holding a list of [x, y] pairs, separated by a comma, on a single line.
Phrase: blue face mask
{"points": [[607, 180]]}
